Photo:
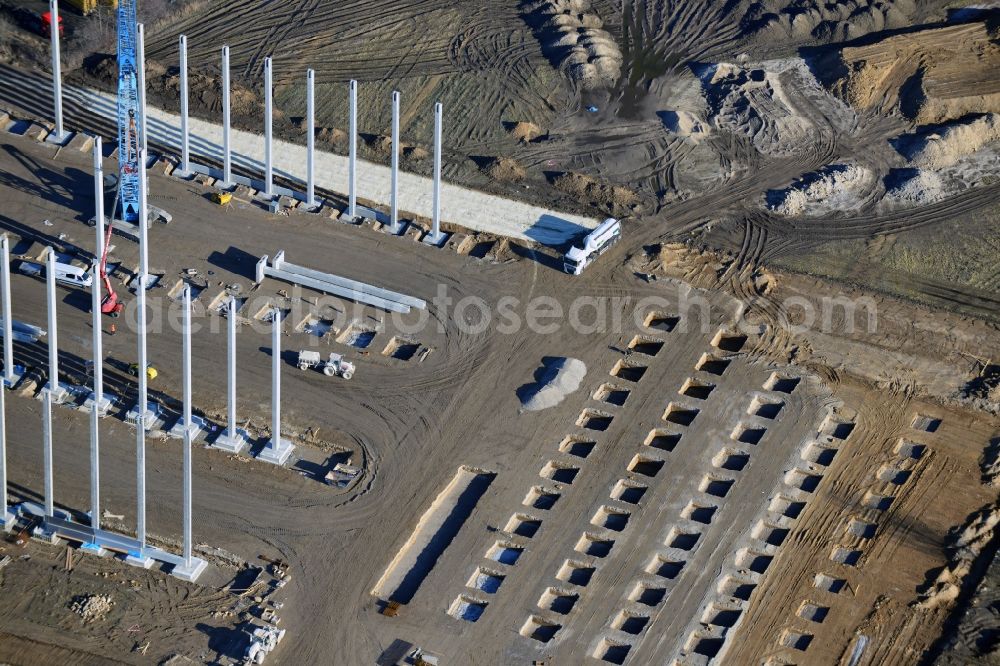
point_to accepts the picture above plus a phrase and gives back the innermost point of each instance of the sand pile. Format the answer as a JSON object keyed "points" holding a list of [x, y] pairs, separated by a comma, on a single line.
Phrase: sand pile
{"points": [[685, 123], [504, 169], [556, 379], [800, 20], [946, 145], [524, 131], [914, 187], [615, 199], [91, 607], [573, 35], [752, 101], [834, 187], [928, 76], [966, 544]]}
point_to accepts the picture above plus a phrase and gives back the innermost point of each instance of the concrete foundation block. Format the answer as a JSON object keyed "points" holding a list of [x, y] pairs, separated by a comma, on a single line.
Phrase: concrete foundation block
{"points": [[93, 549], [150, 417], [103, 408], [189, 572], [232, 443], [243, 193], [368, 223], [287, 202], [81, 141], [137, 559], [57, 140], [203, 179], [331, 212], [163, 166], [4, 119], [15, 378], [413, 232], [9, 517], [276, 453], [36, 132], [197, 425], [59, 393], [435, 241], [458, 243]]}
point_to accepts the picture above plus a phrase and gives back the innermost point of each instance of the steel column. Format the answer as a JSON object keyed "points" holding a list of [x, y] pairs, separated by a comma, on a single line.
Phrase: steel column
{"points": [[227, 158], [140, 429], [47, 452], [56, 69], [185, 142], [231, 384], [394, 194], [187, 425], [352, 175], [3, 458], [50, 290], [268, 110], [310, 138], [8, 324], [436, 233], [276, 380], [96, 287]]}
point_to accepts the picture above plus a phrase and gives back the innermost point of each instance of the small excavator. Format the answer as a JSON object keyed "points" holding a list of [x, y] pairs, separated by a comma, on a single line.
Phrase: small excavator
{"points": [[110, 305]]}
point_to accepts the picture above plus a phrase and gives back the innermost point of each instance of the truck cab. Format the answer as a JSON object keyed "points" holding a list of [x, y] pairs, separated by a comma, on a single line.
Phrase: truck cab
{"points": [[594, 244]]}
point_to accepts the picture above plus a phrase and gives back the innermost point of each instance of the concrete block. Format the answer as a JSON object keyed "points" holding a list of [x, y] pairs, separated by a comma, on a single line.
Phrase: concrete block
{"points": [[458, 243], [232, 443], [82, 142], [276, 454], [429, 239], [137, 559], [287, 203], [204, 179], [163, 166], [189, 573], [36, 132], [4, 119], [369, 223], [331, 212], [244, 193], [413, 232]]}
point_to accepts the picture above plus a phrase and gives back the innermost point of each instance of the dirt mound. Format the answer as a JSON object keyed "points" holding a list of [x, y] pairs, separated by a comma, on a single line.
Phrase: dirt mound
{"points": [[380, 146], [524, 131], [556, 379], [834, 187], [966, 544], [92, 607], [505, 169], [573, 36], [928, 76], [752, 101], [799, 20], [331, 136], [685, 123], [943, 146], [613, 198]]}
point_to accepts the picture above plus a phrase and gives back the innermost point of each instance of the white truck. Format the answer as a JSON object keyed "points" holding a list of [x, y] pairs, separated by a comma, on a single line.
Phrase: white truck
{"points": [[335, 365], [593, 245]]}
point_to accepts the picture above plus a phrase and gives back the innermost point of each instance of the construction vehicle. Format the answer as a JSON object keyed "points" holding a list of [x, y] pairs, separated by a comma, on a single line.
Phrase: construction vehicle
{"points": [[110, 305], [40, 24], [87, 7], [262, 641], [222, 198], [594, 244], [151, 372], [335, 365]]}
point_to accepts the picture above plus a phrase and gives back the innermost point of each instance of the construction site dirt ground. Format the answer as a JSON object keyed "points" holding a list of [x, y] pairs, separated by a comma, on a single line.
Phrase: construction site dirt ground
{"points": [[765, 427]]}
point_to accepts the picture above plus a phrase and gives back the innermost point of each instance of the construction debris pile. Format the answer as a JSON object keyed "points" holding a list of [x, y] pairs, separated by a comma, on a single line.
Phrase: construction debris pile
{"points": [[92, 607]]}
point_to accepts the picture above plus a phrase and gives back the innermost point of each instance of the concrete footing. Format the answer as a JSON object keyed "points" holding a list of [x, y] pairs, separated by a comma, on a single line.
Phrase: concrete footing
{"points": [[197, 425], [8, 519], [190, 572], [102, 408], [276, 453], [232, 443], [15, 378], [436, 241], [137, 559], [59, 139], [58, 393], [93, 549], [149, 418]]}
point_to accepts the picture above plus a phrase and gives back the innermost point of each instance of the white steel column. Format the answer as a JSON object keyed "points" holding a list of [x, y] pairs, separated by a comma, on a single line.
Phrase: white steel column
{"points": [[310, 138], [141, 408], [140, 66], [50, 284], [277, 450], [53, 387], [58, 134], [99, 402], [8, 517], [233, 439], [188, 426], [268, 110], [436, 232], [394, 193], [227, 158], [9, 377], [185, 139], [352, 174]]}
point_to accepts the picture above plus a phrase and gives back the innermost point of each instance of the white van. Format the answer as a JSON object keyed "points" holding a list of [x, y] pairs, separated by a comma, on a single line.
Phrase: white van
{"points": [[73, 276]]}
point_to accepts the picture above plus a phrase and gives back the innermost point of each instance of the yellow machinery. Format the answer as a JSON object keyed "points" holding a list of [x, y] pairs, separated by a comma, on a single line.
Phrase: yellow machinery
{"points": [[85, 7], [151, 372], [222, 198]]}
